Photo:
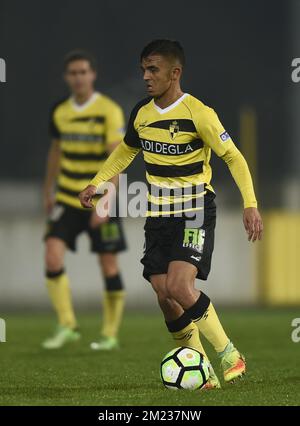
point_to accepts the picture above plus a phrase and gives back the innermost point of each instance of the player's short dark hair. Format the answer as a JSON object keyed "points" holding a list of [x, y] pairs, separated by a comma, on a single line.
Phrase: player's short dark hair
{"points": [[164, 47], [80, 55]]}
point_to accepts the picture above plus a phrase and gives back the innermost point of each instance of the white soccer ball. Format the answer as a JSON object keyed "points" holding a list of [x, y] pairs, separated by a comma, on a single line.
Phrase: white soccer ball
{"points": [[184, 368]]}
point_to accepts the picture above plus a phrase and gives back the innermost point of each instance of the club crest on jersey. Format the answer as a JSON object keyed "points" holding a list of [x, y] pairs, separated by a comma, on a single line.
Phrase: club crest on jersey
{"points": [[173, 129]]}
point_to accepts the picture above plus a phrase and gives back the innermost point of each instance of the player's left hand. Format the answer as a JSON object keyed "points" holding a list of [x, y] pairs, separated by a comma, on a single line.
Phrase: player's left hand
{"points": [[253, 224], [86, 196]]}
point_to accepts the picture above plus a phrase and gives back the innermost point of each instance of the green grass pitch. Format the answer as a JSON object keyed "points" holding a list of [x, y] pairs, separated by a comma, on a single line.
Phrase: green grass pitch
{"points": [[77, 376]]}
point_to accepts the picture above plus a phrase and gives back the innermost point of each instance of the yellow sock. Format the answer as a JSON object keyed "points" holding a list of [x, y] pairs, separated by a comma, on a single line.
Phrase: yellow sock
{"points": [[189, 336], [203, 314], [209, 325], [113, 307], [60, 295]]}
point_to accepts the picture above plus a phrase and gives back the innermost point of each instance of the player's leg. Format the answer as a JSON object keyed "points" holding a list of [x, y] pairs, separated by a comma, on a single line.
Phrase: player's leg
{"points": [[181, 286], [181, 327], [113, 302], [107, 241], [60, 295], [206, 319], [64, 224], [159, 236], [195, 246], [198, 307]]}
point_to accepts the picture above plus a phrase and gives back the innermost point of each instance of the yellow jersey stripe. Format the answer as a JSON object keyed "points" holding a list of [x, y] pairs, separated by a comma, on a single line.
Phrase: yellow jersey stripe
{"points": [[80, 156], [80, 166], [95, 148], [73, 184], [67, 199]]}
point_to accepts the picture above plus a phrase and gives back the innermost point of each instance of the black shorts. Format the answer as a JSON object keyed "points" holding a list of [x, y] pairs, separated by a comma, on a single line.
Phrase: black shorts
{"points": [[168, 239], [66, 223]]}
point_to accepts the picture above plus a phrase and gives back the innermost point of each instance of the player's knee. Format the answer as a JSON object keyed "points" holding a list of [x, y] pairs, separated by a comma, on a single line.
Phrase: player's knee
{"points": [[109, 264], [54, 254], [160, 289], [53, 260], [162, 296], [177, 287]]}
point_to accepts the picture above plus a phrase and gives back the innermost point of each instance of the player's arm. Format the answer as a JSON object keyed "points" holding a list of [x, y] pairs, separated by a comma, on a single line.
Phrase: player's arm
{"points": [[118, 161], [52, 169], [110, 149], [52, 166], [214, 135], [114, 135], [114, 132]]}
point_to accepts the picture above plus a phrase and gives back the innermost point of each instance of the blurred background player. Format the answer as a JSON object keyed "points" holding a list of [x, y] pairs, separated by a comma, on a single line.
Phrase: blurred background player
{"points": [[175, 253], [85, 128]]}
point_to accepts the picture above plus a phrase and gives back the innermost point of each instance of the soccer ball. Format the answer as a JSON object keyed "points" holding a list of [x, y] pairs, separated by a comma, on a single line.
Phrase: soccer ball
{"points": [[184, 368]]}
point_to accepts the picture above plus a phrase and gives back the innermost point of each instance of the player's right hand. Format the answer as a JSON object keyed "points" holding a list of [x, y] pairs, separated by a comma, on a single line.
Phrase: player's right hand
{"points": [[49, 201], [86, 196], [253, 224]]}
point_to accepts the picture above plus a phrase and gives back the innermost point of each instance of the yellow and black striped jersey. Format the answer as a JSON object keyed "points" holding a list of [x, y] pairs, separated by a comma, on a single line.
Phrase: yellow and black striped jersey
{"points": [[176, 142], [85, 133]]}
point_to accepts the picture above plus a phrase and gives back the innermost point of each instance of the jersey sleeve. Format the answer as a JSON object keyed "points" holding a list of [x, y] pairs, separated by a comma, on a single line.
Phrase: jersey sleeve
{"points": [[212, 132], [115, 125], [215, 136], [118, 161]]}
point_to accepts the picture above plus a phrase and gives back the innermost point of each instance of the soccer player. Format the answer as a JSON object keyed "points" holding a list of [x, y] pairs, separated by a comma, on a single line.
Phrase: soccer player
{"points": [[85, 128], [177, 132]]}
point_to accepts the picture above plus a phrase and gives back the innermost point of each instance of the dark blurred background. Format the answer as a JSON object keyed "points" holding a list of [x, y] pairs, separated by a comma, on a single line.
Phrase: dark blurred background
{"points": [[236, 56], [239, 57]]}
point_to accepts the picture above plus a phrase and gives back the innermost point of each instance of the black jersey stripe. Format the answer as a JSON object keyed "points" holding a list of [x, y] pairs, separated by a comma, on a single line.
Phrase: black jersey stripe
{"points": [[67, 191], [95, 118], [174, 171], [167, 148], [81, 137], [195, 203], [85, 156], [185, 125], [76, 175], [185, 191]]}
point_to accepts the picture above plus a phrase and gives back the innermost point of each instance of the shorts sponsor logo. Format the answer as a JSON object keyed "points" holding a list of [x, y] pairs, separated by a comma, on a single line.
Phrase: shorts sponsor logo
{"points": [[110, 231], [194, 239]]}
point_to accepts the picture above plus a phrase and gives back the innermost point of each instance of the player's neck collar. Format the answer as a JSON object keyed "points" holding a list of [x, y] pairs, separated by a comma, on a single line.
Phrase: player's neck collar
{"points": [[168, 108], [81, 107]]}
